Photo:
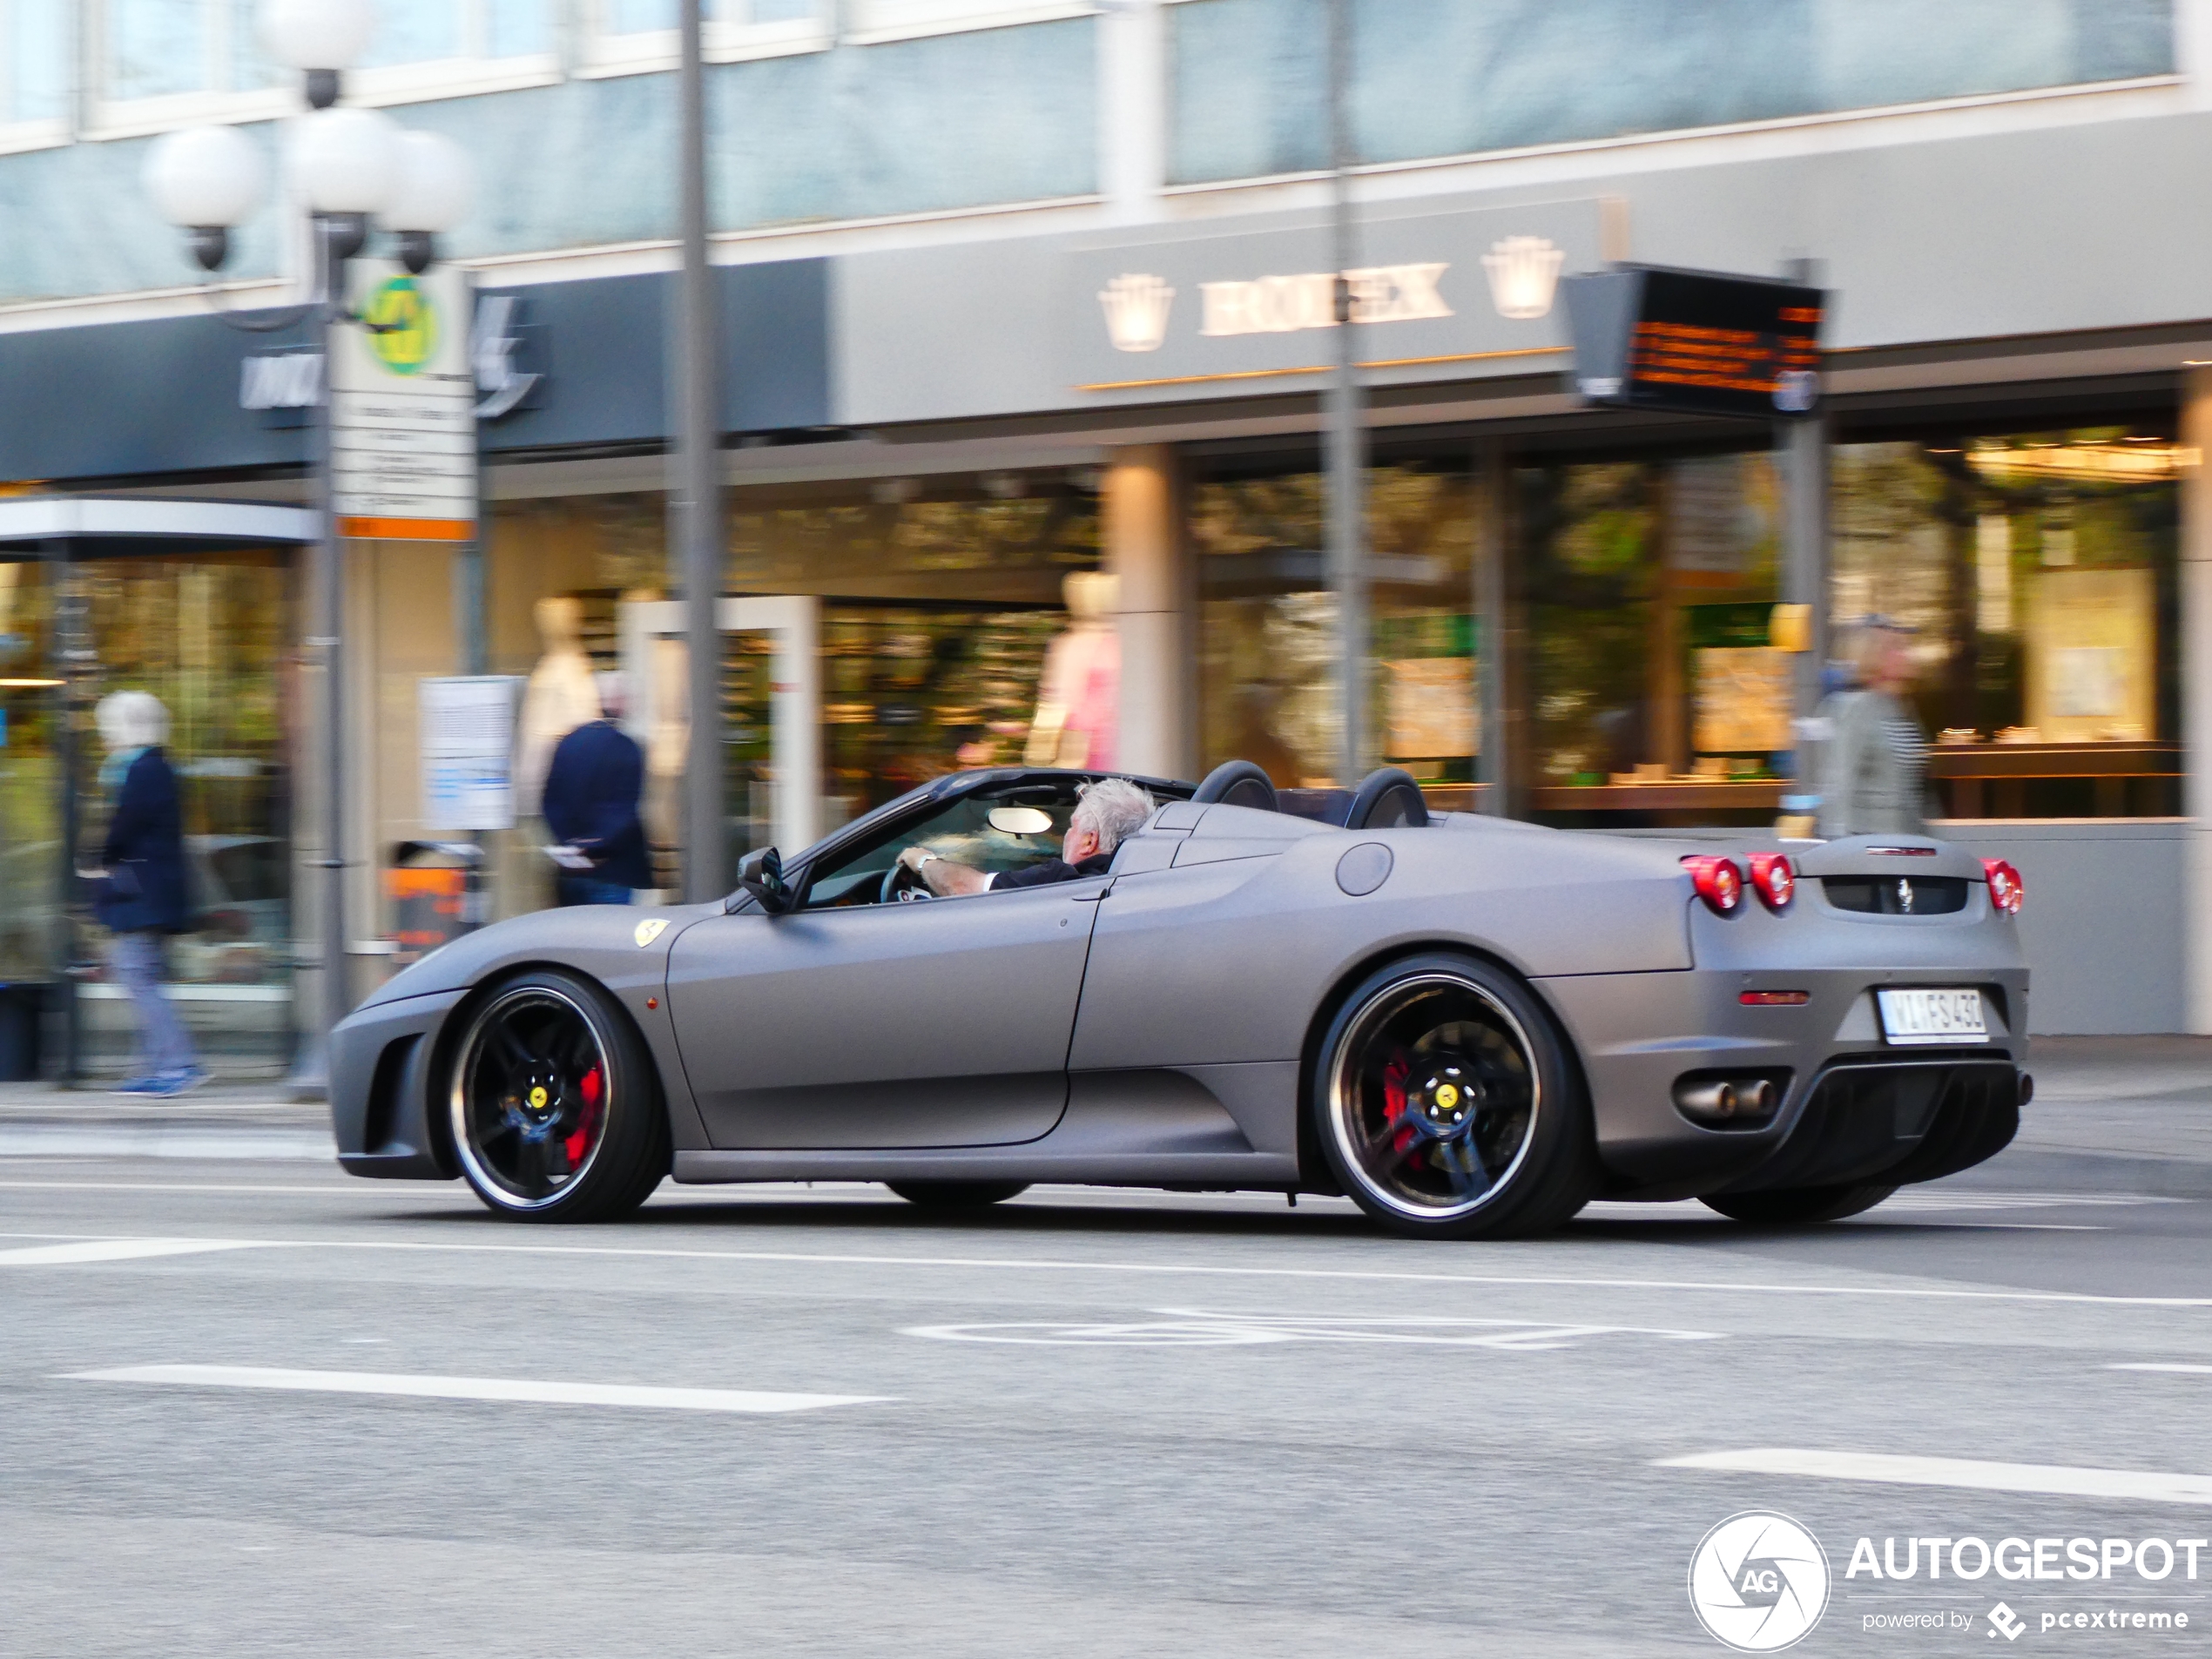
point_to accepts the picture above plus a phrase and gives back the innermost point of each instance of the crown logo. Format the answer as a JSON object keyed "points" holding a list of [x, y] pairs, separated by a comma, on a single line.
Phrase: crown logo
{"points": [[1136, 312], [1524, 275]]}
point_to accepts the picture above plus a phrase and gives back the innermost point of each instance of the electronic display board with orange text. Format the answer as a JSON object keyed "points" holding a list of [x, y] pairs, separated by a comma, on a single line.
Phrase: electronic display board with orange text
{"points": [[1695, 342]]}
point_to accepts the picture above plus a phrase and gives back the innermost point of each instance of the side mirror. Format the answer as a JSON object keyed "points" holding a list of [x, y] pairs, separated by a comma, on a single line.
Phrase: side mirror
{"points": [[761, 874]]}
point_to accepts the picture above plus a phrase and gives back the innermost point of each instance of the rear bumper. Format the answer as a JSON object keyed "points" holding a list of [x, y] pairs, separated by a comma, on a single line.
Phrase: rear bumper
{"points": [[1852, 1107]]}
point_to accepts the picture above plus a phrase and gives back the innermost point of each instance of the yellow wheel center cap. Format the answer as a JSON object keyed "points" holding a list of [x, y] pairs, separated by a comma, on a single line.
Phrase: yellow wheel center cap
{"points": [[1447, 1095], [537, 1099]]}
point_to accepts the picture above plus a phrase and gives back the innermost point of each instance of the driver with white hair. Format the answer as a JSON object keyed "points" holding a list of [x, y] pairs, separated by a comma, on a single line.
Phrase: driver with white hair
{"points": [[1107, 813]]}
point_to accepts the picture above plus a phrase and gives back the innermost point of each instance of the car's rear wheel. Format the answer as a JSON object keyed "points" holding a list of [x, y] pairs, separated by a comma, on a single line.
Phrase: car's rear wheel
{"points": [[1796, 1206], [555, 1106], [957, 1195], [1447, 1106]]}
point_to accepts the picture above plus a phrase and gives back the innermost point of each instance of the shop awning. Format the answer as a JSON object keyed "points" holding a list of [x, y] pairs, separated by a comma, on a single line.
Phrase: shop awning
{"points": [[141, 524]]}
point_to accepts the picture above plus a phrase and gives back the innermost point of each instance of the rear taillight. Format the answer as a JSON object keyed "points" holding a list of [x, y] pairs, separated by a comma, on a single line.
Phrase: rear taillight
{"points": [[2006, 890], [1777, 881], [1718, 881]]}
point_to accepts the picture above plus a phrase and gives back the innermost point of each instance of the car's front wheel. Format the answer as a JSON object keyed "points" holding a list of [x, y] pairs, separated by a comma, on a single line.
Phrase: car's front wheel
{"points": [[553, 1103], [1796, 1206], [1446, 1105]]}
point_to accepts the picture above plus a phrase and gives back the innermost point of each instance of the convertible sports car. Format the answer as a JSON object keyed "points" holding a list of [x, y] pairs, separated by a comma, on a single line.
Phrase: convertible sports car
{"points": [[1470, 1026]]}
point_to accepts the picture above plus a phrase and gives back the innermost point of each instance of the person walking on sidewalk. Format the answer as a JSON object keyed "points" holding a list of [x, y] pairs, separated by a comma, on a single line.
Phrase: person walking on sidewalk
{"points": [[141, 896], [591, 794], [1875, 776]]}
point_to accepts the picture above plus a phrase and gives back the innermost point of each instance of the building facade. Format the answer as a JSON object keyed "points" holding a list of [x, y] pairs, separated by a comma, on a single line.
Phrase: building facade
{"points": [[1013, 293]]}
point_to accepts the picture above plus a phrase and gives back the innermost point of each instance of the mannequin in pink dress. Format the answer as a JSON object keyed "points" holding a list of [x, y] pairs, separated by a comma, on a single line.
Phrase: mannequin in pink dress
{"points": [[1079, 694]]}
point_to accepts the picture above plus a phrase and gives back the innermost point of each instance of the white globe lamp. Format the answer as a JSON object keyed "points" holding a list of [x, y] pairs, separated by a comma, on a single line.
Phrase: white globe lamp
{"points": [[318, 37], [206, 180], [436, 187]]}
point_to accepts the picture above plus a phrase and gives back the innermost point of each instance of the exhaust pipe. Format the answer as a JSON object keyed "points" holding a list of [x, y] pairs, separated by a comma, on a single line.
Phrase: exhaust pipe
{"points": [[1721, 1100], [1710, 1100]]}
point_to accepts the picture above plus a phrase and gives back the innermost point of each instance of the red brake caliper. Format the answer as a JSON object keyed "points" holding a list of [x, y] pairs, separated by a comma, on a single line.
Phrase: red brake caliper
{"points": [[592, 1089], [1394, 1076]]}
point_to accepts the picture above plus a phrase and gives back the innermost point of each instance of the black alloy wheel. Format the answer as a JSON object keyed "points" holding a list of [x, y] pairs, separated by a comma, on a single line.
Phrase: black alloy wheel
{"points": [[1796, 1206], [957, 1195], [555, 1106], [1447, 1108]]}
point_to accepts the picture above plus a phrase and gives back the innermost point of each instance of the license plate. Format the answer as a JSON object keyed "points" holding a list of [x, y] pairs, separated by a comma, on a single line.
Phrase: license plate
{"points": [[1931, 1016]]}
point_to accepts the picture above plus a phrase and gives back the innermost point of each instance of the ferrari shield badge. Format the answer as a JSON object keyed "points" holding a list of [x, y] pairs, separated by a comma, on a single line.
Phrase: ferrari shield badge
{"points": [[649, 930]]}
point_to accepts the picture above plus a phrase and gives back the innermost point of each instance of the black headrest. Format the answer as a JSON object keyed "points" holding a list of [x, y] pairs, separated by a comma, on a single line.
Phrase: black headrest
{"points": [[1237, 783], [1387, 798]]}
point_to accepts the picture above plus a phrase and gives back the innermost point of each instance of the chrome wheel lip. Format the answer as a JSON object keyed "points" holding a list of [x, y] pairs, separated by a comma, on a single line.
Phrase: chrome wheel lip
{"points": [[480, 1176], [1343, 1103]]}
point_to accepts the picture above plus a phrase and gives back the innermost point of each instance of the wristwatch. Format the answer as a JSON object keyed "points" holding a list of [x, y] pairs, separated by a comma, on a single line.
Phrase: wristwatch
{"points": [[925, 859]]}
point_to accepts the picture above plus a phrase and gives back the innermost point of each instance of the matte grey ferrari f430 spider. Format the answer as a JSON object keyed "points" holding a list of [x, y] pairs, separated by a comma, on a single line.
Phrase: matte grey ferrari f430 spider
{"points": [[1471, 1027]]}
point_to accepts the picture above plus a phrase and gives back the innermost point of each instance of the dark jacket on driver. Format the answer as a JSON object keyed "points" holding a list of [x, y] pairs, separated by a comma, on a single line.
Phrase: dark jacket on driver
{"points": [[1052, 870]]}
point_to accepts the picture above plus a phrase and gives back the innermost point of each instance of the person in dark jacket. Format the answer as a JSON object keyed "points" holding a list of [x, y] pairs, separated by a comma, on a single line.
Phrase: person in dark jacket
{"points": [[592, 789], [142, 895]]}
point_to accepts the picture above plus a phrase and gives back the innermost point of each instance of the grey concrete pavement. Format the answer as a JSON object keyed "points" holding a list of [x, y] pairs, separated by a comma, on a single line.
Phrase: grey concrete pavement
{"points": [[1090, 1424]]}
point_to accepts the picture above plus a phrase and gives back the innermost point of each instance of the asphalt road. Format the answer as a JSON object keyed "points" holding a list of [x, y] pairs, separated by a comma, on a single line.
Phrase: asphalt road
{"points": [[1085, 1424]]}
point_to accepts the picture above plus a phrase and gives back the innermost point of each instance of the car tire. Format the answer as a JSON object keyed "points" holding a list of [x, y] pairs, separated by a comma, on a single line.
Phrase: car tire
{"points": [[553, 1103], [957, 1195], [1446, 1105], [1796, 1206]]}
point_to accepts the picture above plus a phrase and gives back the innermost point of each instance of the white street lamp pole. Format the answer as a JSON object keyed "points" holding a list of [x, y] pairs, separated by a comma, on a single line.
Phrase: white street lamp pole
{"points": [[354, 164], [1346, 437]]}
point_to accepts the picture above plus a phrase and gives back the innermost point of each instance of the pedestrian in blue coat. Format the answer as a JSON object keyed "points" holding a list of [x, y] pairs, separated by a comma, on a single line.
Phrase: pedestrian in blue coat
{"points": [[141, 895], [591, 794]]}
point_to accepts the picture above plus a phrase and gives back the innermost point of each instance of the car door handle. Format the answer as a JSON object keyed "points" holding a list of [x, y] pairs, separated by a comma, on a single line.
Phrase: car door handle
{"points": [[1092, 897]]}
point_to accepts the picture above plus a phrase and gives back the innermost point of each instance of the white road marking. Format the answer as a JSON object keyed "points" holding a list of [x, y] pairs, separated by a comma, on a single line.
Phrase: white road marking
{"points": [[483, 1388], [1193, 1328], [117, 1250], [2146, 1365], [370, 1189], [1318, 1275], [1971, 1473]]}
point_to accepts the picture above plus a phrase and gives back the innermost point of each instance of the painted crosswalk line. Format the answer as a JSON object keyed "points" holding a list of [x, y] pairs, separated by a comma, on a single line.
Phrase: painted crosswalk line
{"points": [[1969, 1473], [515, 1390]]}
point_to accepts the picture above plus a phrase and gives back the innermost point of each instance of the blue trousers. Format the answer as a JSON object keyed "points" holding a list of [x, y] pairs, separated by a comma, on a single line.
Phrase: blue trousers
{"points": [[589, 889], [166, 1045]]}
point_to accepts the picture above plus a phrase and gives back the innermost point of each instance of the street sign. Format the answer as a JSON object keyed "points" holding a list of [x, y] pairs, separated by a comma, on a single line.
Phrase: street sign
{"points": [[1695, 342], [403, 429], [466, 726]]}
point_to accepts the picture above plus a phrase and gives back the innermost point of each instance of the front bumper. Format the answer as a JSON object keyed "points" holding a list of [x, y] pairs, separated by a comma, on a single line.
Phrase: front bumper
{"points": [[380, 1061]]}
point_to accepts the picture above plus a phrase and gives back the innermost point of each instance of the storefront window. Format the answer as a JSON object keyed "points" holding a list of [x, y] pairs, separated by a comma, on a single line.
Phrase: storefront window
{"points": [[1654, 694], [941, 598], [1268, 641], [205, 634], [2037, 572]]}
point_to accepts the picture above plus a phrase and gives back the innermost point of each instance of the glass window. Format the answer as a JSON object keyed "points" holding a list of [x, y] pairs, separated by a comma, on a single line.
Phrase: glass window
{"points": [[39, 60], [1648, 588], [2036, 570], [157, 47], [205, 634], [1268, 621], [518, 28], [637, 17], [980, 832], [417, 31]]}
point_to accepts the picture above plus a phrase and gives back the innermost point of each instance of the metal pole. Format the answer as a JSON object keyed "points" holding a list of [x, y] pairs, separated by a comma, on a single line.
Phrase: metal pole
{"points": [[72, 661], [1490, 486], [1347, 460], [312, 1075], [696, 517]]}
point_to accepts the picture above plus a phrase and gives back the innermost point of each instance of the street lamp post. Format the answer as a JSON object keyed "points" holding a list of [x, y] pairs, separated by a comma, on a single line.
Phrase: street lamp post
{"points": [[353, 166], [1346, 437]]}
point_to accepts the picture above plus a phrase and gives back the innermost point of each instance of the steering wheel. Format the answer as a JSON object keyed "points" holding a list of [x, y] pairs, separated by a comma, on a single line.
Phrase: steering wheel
{"points": [[901, 885]]}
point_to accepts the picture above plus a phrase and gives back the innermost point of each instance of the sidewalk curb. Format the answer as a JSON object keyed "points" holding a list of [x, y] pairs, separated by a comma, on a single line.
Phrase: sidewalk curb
{"points": [[2040, 1169], [166, 1141]]}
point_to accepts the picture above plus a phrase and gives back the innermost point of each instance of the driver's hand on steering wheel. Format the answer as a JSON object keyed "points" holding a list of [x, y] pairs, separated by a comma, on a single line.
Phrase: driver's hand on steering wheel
{"points": [[913, 856]]}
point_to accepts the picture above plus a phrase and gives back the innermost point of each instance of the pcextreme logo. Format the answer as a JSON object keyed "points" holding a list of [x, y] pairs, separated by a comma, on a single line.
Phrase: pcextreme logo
{"points": [[403, 324], [1758, 1583]]}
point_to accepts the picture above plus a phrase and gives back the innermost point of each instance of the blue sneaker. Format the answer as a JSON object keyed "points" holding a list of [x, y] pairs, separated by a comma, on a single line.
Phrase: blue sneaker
{"points": [[172, 1084], [146, 1085]]}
